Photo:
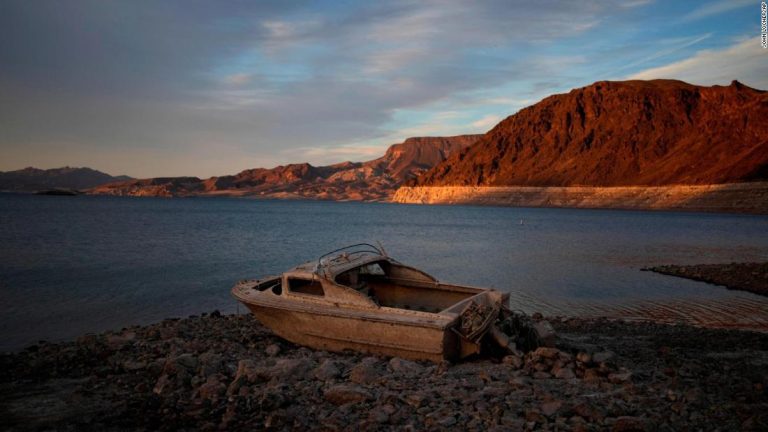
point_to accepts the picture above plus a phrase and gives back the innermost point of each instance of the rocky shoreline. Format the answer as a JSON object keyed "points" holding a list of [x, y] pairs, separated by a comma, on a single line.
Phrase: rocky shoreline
{"points": [[227, 372], [751, 277]]}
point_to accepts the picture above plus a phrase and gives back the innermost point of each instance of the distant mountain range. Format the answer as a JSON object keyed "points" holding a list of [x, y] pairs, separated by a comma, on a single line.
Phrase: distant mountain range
{"points": [[34, 180], [623, 133], [374, 180], [664, 141]]}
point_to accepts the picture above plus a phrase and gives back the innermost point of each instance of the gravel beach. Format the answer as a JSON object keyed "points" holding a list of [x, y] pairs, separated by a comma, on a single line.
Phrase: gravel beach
{"points": [[227, 372]]}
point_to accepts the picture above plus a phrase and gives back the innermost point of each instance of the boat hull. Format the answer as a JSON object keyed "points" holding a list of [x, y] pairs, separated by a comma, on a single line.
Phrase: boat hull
{"points": [[387, 336]]}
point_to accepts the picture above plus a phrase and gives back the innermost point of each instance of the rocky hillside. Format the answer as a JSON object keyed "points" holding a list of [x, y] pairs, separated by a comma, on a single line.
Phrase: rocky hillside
{"points": [[33, 179], [373, 180], [659, 132]]}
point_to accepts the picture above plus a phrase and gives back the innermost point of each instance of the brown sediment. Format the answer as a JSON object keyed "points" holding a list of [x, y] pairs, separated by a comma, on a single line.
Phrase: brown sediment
{"points": [[228, 372], [752, 277]]}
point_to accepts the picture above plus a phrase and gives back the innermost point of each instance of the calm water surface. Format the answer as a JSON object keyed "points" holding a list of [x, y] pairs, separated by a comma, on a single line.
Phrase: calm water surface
{"points": [[71, 265]]}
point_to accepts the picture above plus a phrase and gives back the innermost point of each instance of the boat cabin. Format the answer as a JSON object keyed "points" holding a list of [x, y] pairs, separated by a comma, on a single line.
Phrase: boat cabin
{"points": [[364, 276]]}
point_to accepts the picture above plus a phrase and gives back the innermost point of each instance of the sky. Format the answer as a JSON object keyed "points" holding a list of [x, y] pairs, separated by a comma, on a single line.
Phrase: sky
{"points": [[185, 87]]}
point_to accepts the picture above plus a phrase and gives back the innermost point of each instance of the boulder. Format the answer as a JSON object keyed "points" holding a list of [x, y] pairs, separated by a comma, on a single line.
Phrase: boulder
{"points": [[365, 372]]}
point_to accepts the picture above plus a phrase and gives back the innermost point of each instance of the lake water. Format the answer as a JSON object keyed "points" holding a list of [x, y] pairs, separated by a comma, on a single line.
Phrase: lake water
{"points": [[72, 265]]}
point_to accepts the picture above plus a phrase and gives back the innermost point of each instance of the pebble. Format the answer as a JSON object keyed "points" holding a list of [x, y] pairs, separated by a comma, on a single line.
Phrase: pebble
{"points": [[402, 366], [272, 350], [550, 408]]}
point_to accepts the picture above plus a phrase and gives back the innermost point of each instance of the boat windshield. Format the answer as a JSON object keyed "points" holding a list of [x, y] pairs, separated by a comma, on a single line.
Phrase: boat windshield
{"points": [[359, 277]]}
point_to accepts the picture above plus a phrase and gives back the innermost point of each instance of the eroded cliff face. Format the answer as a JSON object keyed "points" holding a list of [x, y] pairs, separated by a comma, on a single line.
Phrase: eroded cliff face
{"points": [[649, 133], [735, 197], [373, 180]]}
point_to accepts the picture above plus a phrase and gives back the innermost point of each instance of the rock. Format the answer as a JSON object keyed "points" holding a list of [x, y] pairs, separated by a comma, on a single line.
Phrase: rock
{"points": [[248, 371], [346, 393], [365, 372], [447, 421], [602, 357], [273, 399], [591, 373], [514, 361], [407, 367], [629, 424], [132, 365], [546, 352], [550, 408], [520, 381], [119, 341], [587, 411], [533, 415], [211, 363], [620, 378], [291, 369], [416, 400], [584, 357], [378, 415], [545, 334], [272, 350], [182, 363], [212, 389], [565, 373], [328, 370], [163, 385], [542, 375]]}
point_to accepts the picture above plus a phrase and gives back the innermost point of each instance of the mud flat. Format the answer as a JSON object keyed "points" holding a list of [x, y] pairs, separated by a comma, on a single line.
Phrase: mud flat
{"points": [[228, 372], [752, 277], [733, 197]]}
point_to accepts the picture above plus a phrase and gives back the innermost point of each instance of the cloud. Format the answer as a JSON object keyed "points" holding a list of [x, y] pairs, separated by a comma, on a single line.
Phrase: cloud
{"points": [[718, 7], [278, 82], [670, 47], [487, 122], [332, 155], [744, 61]]}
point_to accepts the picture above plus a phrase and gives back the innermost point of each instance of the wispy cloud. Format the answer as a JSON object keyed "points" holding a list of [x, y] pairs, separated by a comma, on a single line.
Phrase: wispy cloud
{"points": [[332, 155], [744, 60], [672, 46], [717, 8], [486, 122]]}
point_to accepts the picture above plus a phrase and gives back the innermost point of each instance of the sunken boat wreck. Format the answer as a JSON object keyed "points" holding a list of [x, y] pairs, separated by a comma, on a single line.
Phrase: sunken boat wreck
{"points": [[359, 298]]}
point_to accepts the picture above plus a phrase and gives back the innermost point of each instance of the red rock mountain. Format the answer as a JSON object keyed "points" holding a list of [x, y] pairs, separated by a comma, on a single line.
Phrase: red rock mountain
{"points": [[658, 132], [373, 180]]}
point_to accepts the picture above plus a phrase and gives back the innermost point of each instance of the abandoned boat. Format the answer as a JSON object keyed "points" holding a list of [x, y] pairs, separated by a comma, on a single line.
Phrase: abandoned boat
{"points": [[359, 298]]}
